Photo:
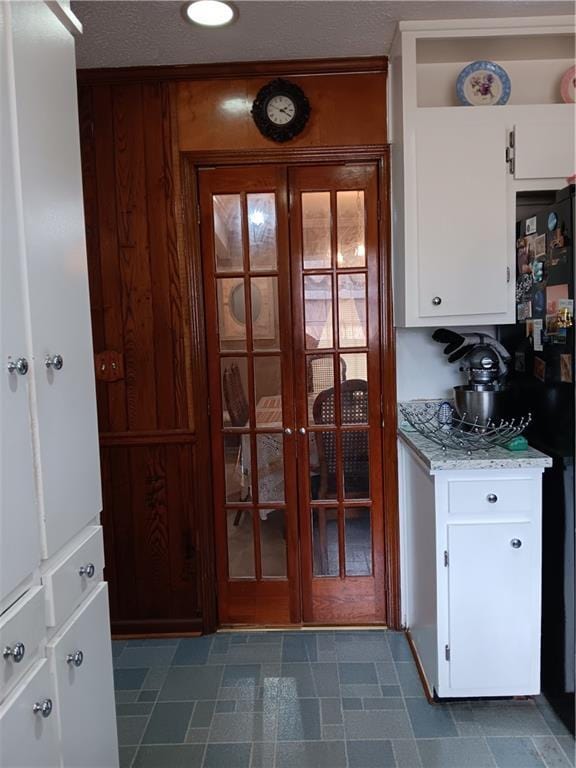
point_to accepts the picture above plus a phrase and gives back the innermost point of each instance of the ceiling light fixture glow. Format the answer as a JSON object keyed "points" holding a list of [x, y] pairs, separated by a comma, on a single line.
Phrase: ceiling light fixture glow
{"points": [[210, 13]]}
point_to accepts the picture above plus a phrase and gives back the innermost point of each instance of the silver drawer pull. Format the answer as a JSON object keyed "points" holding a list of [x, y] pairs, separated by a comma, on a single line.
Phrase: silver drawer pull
{"points": [[436, 301], [515, 543], [87, 570], [492, 498], [75, 659], [19, 366], [16, 653], [54, 361], [43, 708]]}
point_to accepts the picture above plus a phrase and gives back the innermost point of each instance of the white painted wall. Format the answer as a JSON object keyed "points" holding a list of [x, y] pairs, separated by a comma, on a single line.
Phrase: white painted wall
{"points": [[422, 369]]}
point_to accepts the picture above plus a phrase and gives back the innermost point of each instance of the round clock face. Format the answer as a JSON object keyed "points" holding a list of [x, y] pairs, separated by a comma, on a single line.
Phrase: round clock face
{"points": [[280, 109]]}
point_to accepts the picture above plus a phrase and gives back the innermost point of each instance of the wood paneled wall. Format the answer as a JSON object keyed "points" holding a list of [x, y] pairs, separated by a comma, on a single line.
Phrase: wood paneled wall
{"points": [[139, 298], [154, 441]]}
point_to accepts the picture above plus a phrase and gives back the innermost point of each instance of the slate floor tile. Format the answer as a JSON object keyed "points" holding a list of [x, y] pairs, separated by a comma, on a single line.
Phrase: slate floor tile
{"points": [[254, 653], [124, 697], [242, 727], [455, 753], [384, 702], [430, 720], [246, 675], [262, 754], [130, 730], [129, 679], [556, 725], [331, 711], [370, 754], [399, 647], [356, 672], [326, 680], [386, 672], [147, 695], [134, 708], [117, 647], [193, 650], [551, 752], [567, 744], [406, 753], [203, 713], [155, 678], [225, 706], [191, 683], [168, 723], [352, 650], [332, 733], [296, 680], [197, 735], [409, 679], [126, 756], [144, 656], [300, 648], [312, 754], [377, 724], [515, 753], [516, 719], [299, 720], [360, 690], [227, 756], [351, 703], [172, 756]]}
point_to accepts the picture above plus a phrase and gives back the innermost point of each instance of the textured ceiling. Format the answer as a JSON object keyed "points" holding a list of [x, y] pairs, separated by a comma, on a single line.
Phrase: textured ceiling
{"points": [[145, 32]]}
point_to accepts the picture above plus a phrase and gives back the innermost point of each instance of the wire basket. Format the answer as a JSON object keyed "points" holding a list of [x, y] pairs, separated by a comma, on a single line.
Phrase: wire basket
{"points": [[451, 431]]}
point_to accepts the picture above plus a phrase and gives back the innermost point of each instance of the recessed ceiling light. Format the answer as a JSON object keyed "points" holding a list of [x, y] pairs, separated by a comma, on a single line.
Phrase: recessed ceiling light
{"points": [[210, 13]]}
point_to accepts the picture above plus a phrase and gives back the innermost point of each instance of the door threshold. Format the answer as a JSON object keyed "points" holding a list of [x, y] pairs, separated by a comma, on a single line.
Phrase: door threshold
{"points": [[306, 628]]}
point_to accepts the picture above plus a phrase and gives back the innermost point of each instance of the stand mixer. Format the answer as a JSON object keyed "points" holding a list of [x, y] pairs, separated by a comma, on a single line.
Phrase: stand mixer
{"points": [[485, 398]]}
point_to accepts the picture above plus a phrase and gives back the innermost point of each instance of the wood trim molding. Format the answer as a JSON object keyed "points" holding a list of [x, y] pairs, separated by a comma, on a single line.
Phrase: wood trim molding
{"points": [[157, 437], [289, 155], [356, 65]]}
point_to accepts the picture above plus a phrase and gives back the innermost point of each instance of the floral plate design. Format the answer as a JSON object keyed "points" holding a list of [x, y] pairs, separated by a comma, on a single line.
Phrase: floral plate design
{"points": [[568, 86], [483, 83]]}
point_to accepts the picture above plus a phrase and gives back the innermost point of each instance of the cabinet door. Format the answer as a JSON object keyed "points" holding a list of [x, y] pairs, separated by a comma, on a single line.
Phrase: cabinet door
{"points": [[47, 114], [27, 739], [493, 608], [19, 532], [463, 216], [84, 686], [545, 148]]}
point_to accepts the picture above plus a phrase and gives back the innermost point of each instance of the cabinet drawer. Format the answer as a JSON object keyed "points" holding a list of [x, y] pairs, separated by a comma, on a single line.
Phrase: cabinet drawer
{"points": [[80, 656], [21, 630], [73, 578], [27, 738], [491, 496]]}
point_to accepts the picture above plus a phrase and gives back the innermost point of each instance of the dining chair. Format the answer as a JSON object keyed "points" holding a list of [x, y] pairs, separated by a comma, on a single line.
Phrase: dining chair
{"points": [[320, 372], [238, 412]]}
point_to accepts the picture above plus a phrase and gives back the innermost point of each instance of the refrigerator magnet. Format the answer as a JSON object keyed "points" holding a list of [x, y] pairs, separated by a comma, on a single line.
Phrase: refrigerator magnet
{"points": [[539, 369], [531, 225], [539, 303], [537, 326], [552, 222], [566, 368], [524, 310], [556, 239], [554, 294], [539, 245]]}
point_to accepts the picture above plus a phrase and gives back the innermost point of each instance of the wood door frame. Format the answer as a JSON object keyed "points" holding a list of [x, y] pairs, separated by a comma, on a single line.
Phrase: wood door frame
{"points": [[189, 234]]}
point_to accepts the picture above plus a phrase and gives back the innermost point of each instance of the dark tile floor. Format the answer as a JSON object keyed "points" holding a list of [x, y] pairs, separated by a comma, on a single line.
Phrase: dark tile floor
{"points": [[312, 700]]}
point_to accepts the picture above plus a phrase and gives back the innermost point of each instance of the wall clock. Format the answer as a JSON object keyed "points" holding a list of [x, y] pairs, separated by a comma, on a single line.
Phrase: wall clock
{"points": [[280, 110]]}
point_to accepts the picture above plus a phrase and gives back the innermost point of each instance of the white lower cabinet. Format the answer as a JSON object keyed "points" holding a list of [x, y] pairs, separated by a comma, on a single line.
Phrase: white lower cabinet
{"points": [[28, 728], [471, 569], [80, 656]]}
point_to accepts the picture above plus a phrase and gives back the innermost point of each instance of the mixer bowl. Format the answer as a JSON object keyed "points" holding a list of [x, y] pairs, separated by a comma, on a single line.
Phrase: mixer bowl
{"points": [[481, 406]]}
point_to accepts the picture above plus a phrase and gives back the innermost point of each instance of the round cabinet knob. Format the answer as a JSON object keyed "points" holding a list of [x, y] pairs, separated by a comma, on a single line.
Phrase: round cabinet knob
{"points": [[87, 570], [436, 301], [16, 653], [43, 708], [54, 361], [288, 431], [19, 366], [516, 543], [302, 430], [75, 659], [491, 498]]}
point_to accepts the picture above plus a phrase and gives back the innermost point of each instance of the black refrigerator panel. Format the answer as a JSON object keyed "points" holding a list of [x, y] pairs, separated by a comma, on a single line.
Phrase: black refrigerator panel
{"points": [[541, 344]]}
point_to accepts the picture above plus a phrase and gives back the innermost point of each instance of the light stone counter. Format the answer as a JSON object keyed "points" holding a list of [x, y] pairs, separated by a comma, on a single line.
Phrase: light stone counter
{"points": [[436, 458]]}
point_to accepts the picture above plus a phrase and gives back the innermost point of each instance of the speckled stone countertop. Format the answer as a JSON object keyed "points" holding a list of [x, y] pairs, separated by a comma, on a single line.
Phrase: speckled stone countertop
{"points": [[496, 458]]}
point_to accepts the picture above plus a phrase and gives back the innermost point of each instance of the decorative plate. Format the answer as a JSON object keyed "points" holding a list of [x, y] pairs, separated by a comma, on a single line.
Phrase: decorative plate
{"points": [[483, 83], [568, 86]]}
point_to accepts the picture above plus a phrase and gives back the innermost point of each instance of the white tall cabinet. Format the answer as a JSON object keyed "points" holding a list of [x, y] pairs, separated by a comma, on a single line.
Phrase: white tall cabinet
{"points": [[55, 649]]}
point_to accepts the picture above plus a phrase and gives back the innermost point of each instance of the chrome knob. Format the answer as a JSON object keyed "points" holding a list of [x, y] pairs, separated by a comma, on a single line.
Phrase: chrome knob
{"points": [[302, 430], [75, 659], [516, 543], [436, 301], [54, 361], [16, 653], [19, 366], [43, 708], [87, 570], [491, 498], [288, 431]]}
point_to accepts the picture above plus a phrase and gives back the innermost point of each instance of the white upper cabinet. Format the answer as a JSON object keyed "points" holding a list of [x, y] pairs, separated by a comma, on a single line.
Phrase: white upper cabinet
{"points": [[65, 406], [19, 535], [456, 170]]}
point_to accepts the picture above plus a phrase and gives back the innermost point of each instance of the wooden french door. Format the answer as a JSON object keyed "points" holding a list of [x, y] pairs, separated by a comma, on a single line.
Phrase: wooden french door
{"points": [[291, 279]]}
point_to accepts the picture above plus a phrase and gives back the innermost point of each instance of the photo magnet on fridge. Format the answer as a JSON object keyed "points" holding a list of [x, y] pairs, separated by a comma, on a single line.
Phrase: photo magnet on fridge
{"points": [[539, 369], [531, 226], [539, 303], [566, 368], [554, 293], [540, 245], [524, 310], [537, 326]]}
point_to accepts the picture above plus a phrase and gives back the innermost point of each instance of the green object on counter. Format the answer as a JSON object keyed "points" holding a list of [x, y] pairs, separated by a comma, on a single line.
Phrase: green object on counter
{"points": [[518, 443]]}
